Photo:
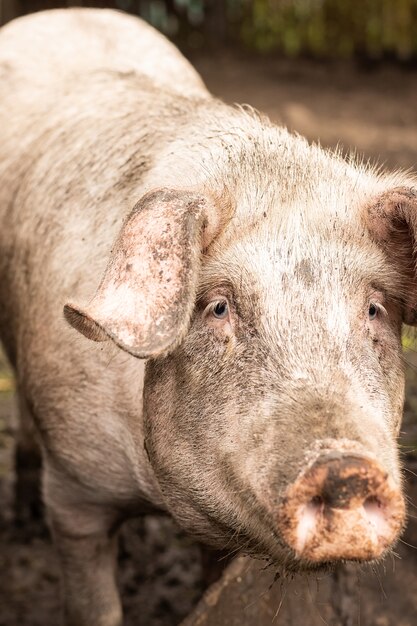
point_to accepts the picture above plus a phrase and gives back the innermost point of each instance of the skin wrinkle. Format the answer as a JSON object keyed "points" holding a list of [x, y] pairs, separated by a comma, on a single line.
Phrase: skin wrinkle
{"points": [[297, 238]]}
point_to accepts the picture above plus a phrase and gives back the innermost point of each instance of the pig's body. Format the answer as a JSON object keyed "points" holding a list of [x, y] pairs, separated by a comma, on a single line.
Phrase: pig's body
{"points": [[93, 73], [235, 409]]}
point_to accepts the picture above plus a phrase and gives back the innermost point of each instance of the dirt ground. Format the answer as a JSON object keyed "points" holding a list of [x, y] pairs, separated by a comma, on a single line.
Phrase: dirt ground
{"points": [[369, 110]]}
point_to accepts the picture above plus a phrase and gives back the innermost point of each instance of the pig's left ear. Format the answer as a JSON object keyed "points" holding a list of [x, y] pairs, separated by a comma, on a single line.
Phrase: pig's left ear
{"points": [[392, 222], [146, 297]]}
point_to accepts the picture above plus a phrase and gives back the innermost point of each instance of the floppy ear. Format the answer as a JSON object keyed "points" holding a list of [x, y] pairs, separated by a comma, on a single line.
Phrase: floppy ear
{"points": [[146, 297], [392, 222]]}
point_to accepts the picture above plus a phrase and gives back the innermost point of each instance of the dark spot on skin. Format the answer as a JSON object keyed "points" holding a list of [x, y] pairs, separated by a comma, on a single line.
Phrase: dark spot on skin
{"points": [[345, 484], [128, 267], [304, 272], [286, 283]]}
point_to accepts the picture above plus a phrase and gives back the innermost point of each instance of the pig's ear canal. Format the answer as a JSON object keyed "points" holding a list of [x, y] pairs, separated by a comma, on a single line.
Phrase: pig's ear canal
{"points": [[392, 222], [146, 297]]}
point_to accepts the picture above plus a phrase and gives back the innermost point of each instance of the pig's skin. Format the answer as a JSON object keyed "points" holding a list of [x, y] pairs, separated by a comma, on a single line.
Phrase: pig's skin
{"points": [[96, 111]]}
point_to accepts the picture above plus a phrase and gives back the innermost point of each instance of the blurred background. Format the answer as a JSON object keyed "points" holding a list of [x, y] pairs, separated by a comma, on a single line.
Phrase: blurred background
{"points": [[342, 72], [325, 29]]}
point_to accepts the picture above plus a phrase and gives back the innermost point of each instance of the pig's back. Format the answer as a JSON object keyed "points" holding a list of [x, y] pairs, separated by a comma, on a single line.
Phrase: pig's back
{"points": [[58, 44], [81, 122]]}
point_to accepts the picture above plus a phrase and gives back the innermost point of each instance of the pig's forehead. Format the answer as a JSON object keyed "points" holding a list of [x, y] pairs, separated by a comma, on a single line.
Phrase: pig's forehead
{"points": [[299, 259], [284, 286]]}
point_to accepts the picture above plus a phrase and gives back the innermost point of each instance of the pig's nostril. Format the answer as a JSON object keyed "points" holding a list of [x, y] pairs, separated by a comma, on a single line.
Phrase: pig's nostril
{"points": [[372, 503], [376, 514], [308, 516], [317, 502]]}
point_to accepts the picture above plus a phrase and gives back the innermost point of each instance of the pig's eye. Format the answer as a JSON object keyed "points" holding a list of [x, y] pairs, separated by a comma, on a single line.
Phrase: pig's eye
{"points": [[373, 311], [220, 309]]}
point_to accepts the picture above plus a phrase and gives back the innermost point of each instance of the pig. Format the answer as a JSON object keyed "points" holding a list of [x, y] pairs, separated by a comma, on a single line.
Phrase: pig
{"points": [[239, 296]]}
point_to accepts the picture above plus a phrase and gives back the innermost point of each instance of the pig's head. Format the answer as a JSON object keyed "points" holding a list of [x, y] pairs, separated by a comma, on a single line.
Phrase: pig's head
{"points": [[274, 385]]}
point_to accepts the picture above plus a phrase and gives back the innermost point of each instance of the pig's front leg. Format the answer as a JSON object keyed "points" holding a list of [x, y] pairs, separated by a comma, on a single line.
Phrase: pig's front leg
{"points": [[85, 537], [28, 505]]}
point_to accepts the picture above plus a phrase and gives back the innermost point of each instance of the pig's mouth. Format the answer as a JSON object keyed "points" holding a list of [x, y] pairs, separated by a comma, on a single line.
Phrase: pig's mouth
{"points": [[345, 507]]}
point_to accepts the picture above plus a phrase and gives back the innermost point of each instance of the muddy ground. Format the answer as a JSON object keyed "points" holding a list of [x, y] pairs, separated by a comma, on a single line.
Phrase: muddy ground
{"points": [[371, 110]]}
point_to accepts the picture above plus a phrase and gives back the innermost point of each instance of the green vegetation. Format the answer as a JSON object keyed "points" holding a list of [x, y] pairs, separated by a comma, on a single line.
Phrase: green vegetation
{"points": [[333, 28], [370, 29]]}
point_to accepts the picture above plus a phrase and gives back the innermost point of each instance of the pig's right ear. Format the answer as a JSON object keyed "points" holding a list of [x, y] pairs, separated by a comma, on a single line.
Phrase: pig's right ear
{"points": [[392, 221], [146, 297]]}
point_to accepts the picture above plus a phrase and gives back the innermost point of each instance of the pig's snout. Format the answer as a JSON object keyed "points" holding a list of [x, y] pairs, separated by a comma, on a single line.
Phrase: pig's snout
{"points": [[343, 507]]}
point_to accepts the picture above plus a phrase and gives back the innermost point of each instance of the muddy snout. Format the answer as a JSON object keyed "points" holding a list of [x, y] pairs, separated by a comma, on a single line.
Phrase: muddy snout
{"points": [[343, 507]]}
